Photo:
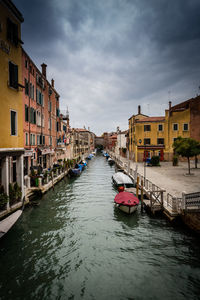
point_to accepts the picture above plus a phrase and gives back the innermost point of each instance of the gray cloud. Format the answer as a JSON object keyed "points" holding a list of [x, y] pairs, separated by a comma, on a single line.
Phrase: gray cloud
{"points": [[109, 56]]}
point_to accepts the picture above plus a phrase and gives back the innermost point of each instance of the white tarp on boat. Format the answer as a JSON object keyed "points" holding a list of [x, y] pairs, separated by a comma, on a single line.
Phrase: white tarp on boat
{"points": [[120, 178]]}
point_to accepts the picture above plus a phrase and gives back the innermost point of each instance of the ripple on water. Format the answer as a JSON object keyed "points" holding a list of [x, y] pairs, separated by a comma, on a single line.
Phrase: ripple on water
{"points": [[76, 244]]}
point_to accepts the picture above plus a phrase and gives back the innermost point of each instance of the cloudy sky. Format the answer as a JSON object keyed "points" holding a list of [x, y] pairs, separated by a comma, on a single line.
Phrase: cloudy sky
{"points": [[109, 56]]}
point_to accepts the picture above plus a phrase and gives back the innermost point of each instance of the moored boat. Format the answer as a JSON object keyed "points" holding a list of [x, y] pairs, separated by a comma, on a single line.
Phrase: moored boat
{"points": [[111, 161], [121, 179], [126, 202]]}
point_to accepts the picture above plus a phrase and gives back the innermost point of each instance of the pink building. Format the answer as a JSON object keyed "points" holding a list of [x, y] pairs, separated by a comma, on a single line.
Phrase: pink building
{"points": [[41, 116]]}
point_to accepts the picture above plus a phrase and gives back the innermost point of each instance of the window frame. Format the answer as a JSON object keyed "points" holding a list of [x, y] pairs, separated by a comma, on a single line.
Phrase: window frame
{"points": [[146, 143], [187, 126], [13, 80], [174, 125], [16, 127], [162, 127]]}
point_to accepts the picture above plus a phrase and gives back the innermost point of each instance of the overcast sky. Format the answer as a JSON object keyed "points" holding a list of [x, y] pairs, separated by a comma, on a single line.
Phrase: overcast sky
{"points": [[109, 56]]}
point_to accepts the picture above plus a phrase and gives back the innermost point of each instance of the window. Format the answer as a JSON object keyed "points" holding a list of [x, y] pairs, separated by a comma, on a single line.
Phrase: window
{"points": [[32, 115], [39, 97], [185, 127], [50, 140], [26, 139], [57, 112], [160, 141], [26, 63], [174, 139], [13, 118], [32, 91], [43, 140], [42, 120], [49, 106], [12, 32], [38, 140], [147, 141], [26, 113], [147, 127], [50, 124], [26, 87], [57, 126], [33, 139], [175, 126], [13, 75], [160, 127]]}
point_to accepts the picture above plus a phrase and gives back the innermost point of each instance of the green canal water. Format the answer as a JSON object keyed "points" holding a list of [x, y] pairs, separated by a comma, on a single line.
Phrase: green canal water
{"points": [[76, 245]]}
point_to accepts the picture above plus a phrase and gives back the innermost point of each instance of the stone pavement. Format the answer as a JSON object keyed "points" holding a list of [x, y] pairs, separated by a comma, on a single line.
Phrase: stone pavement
{"points": [[173, 179]]}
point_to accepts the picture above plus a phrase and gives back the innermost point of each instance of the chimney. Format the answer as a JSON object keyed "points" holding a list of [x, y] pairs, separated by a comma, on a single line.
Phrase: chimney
{"points": [[52, 82], [170, 105], [44, 69], [139, 110]]}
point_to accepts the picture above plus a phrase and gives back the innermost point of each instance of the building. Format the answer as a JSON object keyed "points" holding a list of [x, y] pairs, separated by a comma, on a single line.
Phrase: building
{"points": [[11, 85], [41, 116], [150, 136], [121, 143], [83, 142]]}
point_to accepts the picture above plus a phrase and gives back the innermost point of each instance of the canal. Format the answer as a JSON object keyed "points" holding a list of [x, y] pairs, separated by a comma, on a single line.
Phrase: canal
{"points": [[76, 245]]}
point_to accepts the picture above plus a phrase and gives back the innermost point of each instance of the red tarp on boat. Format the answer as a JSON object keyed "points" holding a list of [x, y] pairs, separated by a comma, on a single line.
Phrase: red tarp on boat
{"points": [[126, 198]]}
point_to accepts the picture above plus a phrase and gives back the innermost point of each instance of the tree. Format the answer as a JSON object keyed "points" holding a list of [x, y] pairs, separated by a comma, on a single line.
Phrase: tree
{"points": [[186, 147]]}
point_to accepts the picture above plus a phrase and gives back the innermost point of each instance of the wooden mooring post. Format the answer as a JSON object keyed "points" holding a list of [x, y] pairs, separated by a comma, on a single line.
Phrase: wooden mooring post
{"points": [[142, 195], [137, 186]]}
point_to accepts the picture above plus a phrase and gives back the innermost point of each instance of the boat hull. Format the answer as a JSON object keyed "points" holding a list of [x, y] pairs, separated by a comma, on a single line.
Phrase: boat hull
{"points": [[127, 209]]}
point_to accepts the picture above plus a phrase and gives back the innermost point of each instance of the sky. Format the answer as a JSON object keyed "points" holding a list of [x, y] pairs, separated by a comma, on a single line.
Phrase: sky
{"points": [[109, 56]]}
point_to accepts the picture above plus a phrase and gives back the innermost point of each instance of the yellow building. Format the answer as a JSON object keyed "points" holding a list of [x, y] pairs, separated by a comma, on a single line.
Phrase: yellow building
{"points": [[11, 110], [149, 136]]}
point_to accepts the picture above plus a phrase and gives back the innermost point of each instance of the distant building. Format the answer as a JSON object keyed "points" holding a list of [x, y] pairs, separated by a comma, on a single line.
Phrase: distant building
{"points": [[11, 112]]}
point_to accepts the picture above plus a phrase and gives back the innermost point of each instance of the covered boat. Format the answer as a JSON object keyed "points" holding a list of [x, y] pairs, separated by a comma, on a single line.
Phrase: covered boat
{"points": [[121, 179], [125, 201], [111, 161], [76, 171]]}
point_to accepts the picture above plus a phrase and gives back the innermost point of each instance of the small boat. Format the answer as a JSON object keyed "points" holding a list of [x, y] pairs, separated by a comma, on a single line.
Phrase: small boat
{"points": [[90, 156], [83, 164], [121, 179], [7, 223], [76, 171], [126, 202], [111, 161]]}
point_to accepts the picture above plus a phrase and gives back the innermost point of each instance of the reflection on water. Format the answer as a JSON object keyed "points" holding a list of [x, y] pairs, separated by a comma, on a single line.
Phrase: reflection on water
{"points": [[77, 245]]}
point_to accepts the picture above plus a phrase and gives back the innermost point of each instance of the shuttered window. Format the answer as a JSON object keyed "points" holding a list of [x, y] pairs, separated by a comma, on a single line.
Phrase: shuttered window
{"points": [[26, 113], [26, 87], [13, 75], [13, 117], [12, 32]]}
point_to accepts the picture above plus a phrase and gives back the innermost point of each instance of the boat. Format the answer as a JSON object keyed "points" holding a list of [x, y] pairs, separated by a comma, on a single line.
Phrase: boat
{"points": [[74, 172], [111, 161], [126, 202], [90, 156], [121, 179], [83, 164], [7, 223]]}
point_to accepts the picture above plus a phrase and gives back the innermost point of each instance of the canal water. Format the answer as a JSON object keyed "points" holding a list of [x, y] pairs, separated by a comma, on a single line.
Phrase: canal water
{"points": [[76, 245]]}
